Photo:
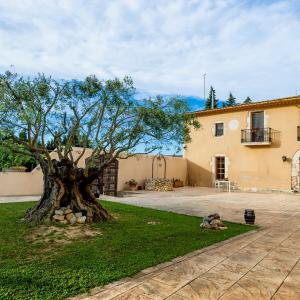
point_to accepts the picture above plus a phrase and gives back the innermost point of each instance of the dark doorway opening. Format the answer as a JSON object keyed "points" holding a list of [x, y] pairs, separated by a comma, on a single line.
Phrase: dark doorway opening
{"points": [[107, 182], [220, 167]]}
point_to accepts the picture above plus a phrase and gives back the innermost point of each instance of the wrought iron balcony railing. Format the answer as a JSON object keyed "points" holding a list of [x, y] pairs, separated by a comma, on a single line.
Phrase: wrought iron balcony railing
{"points": [[257, 136]]}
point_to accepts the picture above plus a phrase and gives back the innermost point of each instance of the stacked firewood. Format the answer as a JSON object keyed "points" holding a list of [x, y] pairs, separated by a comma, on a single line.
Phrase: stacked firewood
{"points": [[159, 185]]}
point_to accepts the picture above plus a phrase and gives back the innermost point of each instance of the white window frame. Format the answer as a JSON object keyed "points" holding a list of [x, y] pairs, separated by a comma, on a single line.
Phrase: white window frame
{"points": [[214, 129], [213, 166], [249, 118]]}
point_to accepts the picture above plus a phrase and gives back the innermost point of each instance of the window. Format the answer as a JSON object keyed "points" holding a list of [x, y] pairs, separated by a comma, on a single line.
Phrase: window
{"points": [[219, 129], [257, 120], [258, 132], [220, 167]]}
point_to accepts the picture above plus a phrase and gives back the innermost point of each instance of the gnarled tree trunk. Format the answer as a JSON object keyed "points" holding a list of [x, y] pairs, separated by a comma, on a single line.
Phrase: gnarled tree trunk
{"points": [[67, 187]]}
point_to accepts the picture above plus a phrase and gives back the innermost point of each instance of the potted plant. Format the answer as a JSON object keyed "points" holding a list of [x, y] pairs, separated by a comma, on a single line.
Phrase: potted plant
{"points": [[132, 183], [177, 183]]}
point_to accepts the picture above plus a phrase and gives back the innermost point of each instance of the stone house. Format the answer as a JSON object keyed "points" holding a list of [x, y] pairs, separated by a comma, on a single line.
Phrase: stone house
{"points": [[256, 146]]}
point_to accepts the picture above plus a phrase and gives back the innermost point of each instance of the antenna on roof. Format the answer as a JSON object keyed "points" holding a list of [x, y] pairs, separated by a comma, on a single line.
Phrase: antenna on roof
{"points": [[204, 75]]}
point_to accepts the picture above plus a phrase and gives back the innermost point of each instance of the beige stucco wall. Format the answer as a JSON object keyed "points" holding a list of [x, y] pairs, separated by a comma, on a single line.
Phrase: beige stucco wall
{"points": [[138, 167], [17, 183], [248, 166], [21, 184]]}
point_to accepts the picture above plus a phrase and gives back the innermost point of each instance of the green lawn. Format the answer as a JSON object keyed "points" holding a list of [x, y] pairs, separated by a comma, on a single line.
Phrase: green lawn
{"points": [[50, 270]]}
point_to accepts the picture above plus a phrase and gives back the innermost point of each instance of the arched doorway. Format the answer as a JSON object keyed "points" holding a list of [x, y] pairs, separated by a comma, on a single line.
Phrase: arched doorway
{"points": [[295, 184], [159, 166]]}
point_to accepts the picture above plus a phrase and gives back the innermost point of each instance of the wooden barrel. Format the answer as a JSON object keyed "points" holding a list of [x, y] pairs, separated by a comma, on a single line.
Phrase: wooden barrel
{"points": [[249, 216]]}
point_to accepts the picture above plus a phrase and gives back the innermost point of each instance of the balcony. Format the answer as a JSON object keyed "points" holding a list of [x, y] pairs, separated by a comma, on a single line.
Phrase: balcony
{"points": [[257, 136]]}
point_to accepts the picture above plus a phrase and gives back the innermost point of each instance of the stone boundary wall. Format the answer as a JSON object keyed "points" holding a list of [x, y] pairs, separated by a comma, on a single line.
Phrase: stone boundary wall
{"points": [[21, 184], [31, 183], [137, 167]]}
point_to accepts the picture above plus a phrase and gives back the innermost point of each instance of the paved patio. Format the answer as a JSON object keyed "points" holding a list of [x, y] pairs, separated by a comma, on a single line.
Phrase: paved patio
{"points": [[259, 265], [11, 199]]}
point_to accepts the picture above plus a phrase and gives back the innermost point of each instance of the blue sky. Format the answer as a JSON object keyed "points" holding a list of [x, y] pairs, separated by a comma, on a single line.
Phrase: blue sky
{"points": [[247, 47]]}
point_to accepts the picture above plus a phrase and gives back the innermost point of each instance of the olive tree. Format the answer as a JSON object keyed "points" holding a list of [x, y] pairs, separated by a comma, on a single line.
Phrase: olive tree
{"points": [[107, 117]]}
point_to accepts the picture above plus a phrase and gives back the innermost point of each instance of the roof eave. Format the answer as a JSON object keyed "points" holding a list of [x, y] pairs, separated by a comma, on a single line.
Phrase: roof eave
{"points": [[255, 105]]}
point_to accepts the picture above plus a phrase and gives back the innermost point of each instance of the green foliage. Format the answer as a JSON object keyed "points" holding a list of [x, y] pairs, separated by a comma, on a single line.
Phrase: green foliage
{"points": [[103, 115], [132, 182], [248, 100], [31, 271], [231, 101], [211, 99], [10, 158], [50, 145], [78, 141]]}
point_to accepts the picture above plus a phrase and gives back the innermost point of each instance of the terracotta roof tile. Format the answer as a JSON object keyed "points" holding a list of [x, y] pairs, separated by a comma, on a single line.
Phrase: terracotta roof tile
{"points": [[295, 100]]}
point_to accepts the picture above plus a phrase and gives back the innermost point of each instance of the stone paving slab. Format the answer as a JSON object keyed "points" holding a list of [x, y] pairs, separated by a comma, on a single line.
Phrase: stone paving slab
{"points": [[11, 199], [264, 264]]}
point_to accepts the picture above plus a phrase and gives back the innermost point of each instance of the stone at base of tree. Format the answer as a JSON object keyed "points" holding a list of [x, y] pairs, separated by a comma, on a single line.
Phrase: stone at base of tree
{"points": [[58, 217], [70, 216], [78, 214], [67, 216], [81, 220], [73, 220], [68, 211], [213, 221]]}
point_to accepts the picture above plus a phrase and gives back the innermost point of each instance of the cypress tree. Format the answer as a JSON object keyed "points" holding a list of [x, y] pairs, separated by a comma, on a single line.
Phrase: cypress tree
{"points": [[231, 101], [211, 98], [248, 100]]}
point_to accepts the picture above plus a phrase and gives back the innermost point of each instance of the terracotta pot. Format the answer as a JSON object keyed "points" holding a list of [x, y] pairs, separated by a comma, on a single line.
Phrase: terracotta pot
{"points": [[133, 187], [178, 183]]}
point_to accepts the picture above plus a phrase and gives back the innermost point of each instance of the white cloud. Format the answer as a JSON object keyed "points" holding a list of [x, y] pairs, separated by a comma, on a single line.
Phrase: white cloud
{"points": [[248, 48]]}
